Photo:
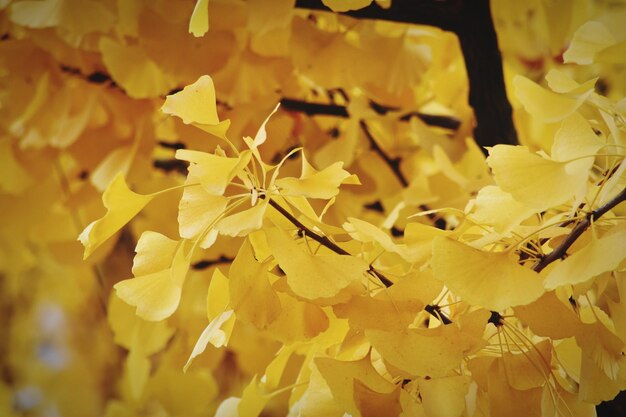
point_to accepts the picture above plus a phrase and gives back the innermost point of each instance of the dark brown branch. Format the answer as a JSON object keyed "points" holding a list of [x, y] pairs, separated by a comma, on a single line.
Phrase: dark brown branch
{"points": [[471, 21], [323, 240], [425, 12], [435, 311], [96, 77], [171, 165], [393, 163], [172, 145], [207, 263], [337, 110], [445, 122], [314, 109], [577, 231]]}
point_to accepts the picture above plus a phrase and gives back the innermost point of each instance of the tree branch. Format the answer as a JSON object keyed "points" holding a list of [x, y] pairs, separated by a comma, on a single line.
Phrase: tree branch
{"points": [[325, 241], [471, 21], [207, 263], [394, 165], [577, 231], [337, 110], [314, 109]]}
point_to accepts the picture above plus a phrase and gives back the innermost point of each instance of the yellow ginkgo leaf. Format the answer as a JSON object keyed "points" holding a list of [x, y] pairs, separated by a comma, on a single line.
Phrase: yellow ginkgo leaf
{"points": [[216, 333], [418, 239], [122, 205], [575, 139], [137, 371], [274, 371], [488, 279], [521, 376], [547, 105], [261, 134], [548, 316], [367, 232], [444, 397], [244, 222], [595, 385], [218, 296], [160, 270], [341, 6], [251, 295], [598, 340], [588, 40], [599, 255], [134, 71], [535, 181], [440, 349], [393, 308], [298, 320], [316, 184], [134, 333], [372, 403], [116, 162], [78, 17], [314, 276], [253, 400], [213, 171], [497, 208], [561, 82], [504, 400], [614, 54], [340, 377], [197, 210], [221, 317], [199, 22], [196, 104]]}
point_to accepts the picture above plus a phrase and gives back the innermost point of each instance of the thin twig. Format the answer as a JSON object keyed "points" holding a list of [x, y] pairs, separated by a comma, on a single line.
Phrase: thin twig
{"points": [[337, 110], [207, 263], [323, 240], [394, 165], [434, 311], [577, 231]]}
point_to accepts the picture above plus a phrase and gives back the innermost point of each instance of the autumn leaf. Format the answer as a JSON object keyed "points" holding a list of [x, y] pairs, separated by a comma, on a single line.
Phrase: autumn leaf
{"points": [[160, 268], [122, 205], [196, 102], [316, 184], [488, 279], [199, 22], [251, 295], [314, 276], [441, 349]]}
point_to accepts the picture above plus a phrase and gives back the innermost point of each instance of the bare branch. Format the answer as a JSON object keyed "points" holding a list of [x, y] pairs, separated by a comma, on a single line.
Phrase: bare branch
{"points": [[323, 240], [207, 263], [337, 110]]}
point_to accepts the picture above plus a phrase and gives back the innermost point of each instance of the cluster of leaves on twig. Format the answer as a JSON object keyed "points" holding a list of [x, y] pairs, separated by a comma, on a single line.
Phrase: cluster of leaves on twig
{"points": [[315, 232]]}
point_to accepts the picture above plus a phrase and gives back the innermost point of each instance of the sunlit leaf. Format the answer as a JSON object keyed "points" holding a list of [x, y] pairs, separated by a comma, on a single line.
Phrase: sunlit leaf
{"points": [[314, 276], [491, 280], [122, 205]]}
